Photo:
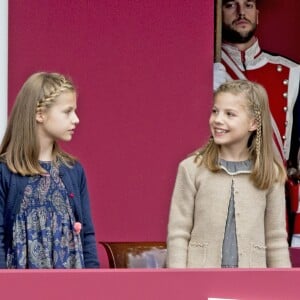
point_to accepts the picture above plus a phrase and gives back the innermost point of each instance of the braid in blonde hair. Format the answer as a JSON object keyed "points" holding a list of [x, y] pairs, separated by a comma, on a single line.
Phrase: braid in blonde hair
{"points": [[59, 85], [258, 136]]}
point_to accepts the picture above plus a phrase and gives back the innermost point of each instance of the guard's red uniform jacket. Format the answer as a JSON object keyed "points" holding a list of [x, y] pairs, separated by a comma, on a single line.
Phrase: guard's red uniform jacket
{"points": [[281, 78]]}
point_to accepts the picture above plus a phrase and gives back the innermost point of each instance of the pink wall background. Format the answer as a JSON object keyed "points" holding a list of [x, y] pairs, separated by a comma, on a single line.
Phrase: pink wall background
{"points": [[144, 74]]}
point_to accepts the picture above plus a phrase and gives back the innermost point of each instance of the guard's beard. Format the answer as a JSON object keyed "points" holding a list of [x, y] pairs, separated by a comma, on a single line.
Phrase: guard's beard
{"points": [[232, 36]]}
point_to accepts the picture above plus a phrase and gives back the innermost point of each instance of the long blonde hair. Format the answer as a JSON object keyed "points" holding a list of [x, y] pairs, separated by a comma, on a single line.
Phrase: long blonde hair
{"points": [[20, 145], [268, 167]]}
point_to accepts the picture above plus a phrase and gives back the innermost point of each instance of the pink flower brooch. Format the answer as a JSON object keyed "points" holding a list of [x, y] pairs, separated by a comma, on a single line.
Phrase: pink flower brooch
{"points": [[77, 227]]}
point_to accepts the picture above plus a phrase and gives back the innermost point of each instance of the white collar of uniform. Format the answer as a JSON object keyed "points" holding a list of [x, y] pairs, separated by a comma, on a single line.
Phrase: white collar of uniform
{"points": [[250, 54]]}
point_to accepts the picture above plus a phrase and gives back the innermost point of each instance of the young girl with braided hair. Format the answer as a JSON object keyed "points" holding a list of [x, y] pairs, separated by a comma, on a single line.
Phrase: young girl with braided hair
{"points": [[45, 219], [228, 203]]}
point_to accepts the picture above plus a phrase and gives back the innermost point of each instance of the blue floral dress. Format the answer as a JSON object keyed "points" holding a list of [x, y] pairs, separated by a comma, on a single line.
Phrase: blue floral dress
{"points": [[43, 231]]}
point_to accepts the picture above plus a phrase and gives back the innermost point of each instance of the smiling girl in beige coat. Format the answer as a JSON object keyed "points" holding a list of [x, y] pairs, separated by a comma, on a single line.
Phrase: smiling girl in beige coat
{"points": [[228, 204]]}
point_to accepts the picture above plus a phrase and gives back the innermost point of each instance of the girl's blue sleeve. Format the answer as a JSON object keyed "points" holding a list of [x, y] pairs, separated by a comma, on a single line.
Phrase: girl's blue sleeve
{"points": [[3, 193], [88, 232]]}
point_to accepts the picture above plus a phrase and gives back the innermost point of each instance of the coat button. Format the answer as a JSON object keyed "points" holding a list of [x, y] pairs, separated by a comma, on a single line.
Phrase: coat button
{"points": [[279, 68], [285, 109], [285, 95], [285, 81]]}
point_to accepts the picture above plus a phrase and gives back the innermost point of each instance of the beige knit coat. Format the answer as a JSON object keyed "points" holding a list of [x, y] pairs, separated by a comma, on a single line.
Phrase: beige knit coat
{"points": [[198, 216]]}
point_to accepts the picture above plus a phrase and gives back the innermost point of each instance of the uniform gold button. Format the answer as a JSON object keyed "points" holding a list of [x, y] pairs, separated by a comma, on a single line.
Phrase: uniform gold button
{"points": [[285, 81], [285, 95], [285, 108], [279, 68]]}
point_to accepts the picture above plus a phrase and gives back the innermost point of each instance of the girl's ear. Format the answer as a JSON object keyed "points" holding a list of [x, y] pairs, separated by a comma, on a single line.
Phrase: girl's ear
{"points": [[252, 125], [39, 116]]}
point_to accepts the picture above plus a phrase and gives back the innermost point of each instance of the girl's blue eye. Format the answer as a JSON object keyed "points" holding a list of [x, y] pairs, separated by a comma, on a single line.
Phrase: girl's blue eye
{"points": [[230, 114]]}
